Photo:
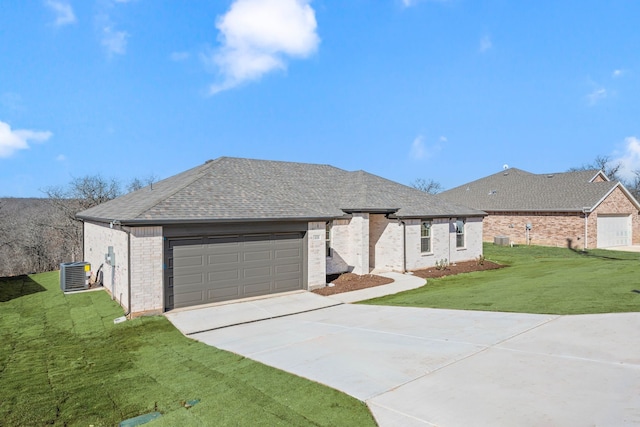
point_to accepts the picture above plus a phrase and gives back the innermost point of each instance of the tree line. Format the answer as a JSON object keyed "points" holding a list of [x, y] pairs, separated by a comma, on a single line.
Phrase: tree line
{"points": [[38, 234]]}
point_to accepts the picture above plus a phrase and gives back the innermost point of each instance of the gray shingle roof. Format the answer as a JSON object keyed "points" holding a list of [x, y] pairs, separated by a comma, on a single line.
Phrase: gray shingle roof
{"points": [[244, 189], [518, 190]]}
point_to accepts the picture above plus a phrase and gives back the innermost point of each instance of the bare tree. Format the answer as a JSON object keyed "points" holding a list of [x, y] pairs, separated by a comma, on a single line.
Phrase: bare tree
{"points": [[137, 183], [427, 185], [603, 163], [82, 193]]}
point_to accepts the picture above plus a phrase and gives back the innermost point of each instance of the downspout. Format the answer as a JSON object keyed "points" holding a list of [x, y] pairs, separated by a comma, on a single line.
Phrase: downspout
{"points": [[585, 210], [404, 247], [128, 231]]}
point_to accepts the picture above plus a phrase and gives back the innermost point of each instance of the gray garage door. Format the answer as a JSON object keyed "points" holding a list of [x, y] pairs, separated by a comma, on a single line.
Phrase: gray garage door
{"points": [[212, 269], [614, 230]]}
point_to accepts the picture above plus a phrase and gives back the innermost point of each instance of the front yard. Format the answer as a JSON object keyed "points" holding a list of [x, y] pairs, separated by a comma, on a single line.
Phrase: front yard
{"points": [[64, 362], [538, 280]]}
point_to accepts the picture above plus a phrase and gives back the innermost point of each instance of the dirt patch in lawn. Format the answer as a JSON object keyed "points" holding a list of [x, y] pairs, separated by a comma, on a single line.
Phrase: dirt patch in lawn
{"points": [[346, 282]]}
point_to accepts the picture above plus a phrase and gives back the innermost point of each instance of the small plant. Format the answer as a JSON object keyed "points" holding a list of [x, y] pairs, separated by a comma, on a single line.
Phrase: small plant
{"points": [[442, 264], [480, 260]]}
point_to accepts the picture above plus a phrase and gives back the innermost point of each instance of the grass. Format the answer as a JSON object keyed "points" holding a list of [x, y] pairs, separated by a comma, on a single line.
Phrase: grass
{"points": [[64, 362], [539, 279]]}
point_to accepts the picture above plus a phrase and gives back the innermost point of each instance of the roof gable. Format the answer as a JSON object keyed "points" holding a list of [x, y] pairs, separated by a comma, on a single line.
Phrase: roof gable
{"points": [[234, 189]]}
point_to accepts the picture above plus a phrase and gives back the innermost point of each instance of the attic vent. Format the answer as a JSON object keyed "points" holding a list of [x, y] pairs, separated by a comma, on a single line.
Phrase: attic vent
{"points": [[492, 192], [208, 161], [550, 175], [74, 276]]}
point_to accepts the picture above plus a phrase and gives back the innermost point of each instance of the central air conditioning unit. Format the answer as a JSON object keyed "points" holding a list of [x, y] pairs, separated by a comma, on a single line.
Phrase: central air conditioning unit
{"points": [[74, 276], [501, 240]]}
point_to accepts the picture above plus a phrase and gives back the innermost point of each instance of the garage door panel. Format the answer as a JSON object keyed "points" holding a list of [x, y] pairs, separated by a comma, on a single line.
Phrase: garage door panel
{"points": [[287, 284], [223, 293], [189, 261], [287, 253], [185, 299], [260, 288], [211, 269], [188, 279], [263, 255], [287, 268], [224, 276], [230, 258], [257, 272]]}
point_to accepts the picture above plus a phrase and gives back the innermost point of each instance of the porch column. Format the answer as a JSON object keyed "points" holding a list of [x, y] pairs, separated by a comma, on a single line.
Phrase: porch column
{"points": [[359, 232]]}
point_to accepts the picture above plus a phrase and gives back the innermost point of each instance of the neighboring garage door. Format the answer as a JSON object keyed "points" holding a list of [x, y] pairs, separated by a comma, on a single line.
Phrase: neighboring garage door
{"points": [[614, 230], [220, 268]]}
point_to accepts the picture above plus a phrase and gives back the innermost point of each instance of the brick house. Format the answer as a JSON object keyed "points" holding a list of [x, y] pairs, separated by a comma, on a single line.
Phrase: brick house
{"points": [[235, 228], [582, 207]]}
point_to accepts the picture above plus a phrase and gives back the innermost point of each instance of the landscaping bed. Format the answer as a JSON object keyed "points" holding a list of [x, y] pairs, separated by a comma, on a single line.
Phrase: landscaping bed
{"points": [[347, 282]]}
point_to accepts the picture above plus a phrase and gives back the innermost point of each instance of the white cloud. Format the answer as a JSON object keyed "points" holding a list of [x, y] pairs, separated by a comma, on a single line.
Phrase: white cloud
{"points": [[597, 95], [257, 35], [629, 159], [61, 158], [618, 73], [418, 149], [63, 10], [14, 140], [485, 44], [115, 42]]}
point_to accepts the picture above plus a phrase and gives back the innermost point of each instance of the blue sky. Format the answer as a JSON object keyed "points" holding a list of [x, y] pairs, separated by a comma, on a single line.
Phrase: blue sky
{"points": [[444, 90]]}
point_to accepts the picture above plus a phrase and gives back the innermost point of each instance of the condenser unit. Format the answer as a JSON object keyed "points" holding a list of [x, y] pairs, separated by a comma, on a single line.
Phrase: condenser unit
{"points": [[74, 276], [501, 240]]}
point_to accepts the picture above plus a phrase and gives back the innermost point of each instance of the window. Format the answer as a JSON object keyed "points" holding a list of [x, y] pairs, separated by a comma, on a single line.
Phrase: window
{"points": [[425, 236], [460, 233], [328, 239]]}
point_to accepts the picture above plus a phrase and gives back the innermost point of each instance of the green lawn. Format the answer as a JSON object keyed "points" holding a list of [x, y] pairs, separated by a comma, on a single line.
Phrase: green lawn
{"points": [[64, 362], [538, 280]]}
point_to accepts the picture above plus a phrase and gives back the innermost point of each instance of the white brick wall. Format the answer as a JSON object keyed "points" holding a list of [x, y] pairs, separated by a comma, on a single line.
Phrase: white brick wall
{"points": [[316, 254], [147, 270], [385, 244], [341, 258], [146, 264], [97, 238], [443, 242]]}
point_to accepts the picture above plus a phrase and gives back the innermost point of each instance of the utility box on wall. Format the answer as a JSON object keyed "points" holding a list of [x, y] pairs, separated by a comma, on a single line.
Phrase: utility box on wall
{"points": [[110, 257]]}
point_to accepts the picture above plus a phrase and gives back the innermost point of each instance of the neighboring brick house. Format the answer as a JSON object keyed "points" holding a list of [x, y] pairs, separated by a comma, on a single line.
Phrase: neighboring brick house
{"points": [[582, 207], [235, 228]]}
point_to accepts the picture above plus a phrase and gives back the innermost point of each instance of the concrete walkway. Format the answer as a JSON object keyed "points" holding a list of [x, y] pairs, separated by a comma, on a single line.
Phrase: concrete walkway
{"points": [[401, 282]]}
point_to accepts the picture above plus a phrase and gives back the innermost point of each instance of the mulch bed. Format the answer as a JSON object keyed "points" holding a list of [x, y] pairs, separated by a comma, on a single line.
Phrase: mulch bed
{"points": [[346, 282], [457, 268], [352, 282]]}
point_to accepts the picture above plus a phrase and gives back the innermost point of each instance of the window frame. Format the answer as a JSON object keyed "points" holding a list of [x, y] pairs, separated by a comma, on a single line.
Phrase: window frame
{"points": [[460, 233], [427, 237], [328, 241]]}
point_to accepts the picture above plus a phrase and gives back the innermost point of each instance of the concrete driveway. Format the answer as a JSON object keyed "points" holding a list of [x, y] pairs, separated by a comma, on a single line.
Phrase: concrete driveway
{"points": [[423, 367]]}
